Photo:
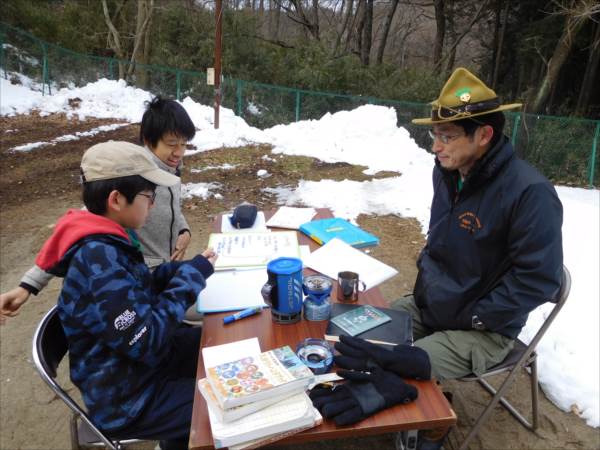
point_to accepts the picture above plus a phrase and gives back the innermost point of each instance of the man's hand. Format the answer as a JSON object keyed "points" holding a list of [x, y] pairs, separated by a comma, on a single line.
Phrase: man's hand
{"points": [[11, 301], [181, 246], [210, 254]]}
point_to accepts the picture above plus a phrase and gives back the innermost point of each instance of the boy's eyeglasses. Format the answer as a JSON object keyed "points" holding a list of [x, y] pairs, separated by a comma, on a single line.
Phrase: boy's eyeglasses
{"points": [[443, 138], [150, 197]]}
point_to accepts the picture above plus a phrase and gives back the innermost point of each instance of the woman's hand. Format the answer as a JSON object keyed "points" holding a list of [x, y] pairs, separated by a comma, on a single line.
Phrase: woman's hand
{"points": [[181, 246]]}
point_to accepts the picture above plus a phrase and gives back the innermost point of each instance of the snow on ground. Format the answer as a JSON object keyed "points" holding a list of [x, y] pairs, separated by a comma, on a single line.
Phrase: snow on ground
{"points": [[569, 354], [69, 137]]}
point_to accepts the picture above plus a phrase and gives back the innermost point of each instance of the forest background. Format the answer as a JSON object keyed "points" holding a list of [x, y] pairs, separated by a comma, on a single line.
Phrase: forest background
{"points": [[545, 54]]}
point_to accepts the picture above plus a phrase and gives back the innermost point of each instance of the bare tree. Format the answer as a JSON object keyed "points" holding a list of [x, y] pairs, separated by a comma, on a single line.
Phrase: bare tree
{"points": [[591, 71], [386, 30], [345, 23], [576, 12], [295, 12], [500, 31], [145, 9], [367, 34], [440, 32]]}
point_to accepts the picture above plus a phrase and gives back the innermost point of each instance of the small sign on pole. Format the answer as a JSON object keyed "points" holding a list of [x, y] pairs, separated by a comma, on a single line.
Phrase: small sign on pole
{"points": [[210, 76]]}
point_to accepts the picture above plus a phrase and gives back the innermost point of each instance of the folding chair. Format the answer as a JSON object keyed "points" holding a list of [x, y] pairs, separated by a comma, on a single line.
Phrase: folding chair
{"points": [[49, 347], [521, 356]]}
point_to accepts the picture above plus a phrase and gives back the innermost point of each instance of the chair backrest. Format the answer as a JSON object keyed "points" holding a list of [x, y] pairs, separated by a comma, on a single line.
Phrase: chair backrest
{"points": [[49, 348], [522, 352], [50, 342], [559, 300]]}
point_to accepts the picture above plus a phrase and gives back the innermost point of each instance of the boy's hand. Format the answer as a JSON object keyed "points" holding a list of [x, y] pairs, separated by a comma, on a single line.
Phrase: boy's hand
{"points": [[11, 301], [210, 254], [181, 246]]}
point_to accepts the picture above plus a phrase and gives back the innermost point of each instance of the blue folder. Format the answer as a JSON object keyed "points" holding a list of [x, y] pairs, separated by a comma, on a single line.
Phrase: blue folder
{"points": [[323, 230]]}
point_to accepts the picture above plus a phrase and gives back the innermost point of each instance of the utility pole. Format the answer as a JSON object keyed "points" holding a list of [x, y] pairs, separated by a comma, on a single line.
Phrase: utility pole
{"points": [[218, 39]]}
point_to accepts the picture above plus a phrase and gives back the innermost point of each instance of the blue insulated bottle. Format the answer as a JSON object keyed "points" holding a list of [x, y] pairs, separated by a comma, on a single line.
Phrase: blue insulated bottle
{"points": [[283, 289]]}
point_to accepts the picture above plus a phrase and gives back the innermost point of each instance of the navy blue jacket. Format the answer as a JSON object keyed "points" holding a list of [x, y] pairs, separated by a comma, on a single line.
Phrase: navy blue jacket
{"points": [[494, 249], [119, 318]]}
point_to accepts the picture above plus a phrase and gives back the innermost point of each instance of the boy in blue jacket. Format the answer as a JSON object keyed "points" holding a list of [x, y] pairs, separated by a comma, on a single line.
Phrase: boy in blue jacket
{"points": [[133, 363]]}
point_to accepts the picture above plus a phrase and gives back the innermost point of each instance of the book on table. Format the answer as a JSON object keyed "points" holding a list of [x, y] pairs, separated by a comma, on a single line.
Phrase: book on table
{"points": [[252, 249], [365, 322], [237, 412], [259, 442], [323, 230], [272, 423], [256, 377]]}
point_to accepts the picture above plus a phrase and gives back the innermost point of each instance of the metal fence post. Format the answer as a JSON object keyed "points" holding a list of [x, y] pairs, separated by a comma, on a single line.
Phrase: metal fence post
{"points": [[298, 106], [178, 80], [111, 70], [238, 95], [515, 130], [2, 54], [45, 69], [594, 149]]}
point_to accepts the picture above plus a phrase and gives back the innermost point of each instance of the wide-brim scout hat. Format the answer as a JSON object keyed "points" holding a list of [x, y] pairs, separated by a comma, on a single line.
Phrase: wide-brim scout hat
{"points": [[117, 159], [463, 96]]}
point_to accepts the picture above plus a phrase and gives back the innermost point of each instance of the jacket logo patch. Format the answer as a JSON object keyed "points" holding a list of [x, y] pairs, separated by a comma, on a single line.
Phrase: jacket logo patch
{"points": [[469, 221], [138, 335], [124, 320]]}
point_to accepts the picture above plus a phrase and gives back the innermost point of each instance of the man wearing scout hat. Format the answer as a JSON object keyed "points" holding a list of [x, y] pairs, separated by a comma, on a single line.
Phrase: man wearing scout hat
{"points": [[494, 245]]}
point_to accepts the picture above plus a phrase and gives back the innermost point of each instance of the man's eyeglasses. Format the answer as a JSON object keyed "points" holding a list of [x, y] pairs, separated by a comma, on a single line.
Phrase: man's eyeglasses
{"points": [[151, 197], [443, 138]]}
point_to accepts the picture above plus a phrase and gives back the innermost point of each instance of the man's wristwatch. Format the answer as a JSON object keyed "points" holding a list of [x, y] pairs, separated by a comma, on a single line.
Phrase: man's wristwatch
{"points": [[476, 323]]}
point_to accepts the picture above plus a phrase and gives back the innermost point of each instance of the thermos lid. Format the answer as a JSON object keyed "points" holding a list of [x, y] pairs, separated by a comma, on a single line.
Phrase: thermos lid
{"points": [[285, 265]]}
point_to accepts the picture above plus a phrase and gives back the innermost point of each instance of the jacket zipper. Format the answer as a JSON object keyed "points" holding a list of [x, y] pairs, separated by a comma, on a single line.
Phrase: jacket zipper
{"points": [[172, 223]]}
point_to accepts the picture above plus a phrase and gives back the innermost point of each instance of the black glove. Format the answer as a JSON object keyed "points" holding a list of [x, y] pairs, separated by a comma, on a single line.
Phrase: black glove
{"points": [[362, 396], [404, 360]]}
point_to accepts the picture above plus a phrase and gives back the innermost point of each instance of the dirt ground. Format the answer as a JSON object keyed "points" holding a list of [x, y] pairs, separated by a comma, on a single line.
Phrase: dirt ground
{"points": [[36, 187]]}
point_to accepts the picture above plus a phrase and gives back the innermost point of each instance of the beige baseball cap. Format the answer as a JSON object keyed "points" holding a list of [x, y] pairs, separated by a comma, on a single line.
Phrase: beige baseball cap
{"points": [[116, 159]]}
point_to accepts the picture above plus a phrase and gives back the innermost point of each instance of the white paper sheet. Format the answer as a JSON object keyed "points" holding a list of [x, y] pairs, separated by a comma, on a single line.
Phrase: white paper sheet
{"points": [[290, 217], [337, 256], [232, 290]]}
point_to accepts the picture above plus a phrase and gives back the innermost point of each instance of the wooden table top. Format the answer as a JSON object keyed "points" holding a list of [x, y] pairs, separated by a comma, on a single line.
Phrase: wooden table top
{"points": [[430, 410]]}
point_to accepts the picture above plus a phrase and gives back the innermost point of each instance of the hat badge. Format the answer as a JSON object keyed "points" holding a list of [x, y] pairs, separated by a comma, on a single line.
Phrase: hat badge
{"points": [[464, 95]]}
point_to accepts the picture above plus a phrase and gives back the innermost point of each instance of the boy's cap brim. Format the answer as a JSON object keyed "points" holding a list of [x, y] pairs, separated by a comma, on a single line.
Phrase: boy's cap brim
{"points": [[463, 96], [117, 159]]}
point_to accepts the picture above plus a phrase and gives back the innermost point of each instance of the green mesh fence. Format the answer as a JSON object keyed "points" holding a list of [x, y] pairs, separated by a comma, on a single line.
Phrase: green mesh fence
{"points": [[564, 149]]}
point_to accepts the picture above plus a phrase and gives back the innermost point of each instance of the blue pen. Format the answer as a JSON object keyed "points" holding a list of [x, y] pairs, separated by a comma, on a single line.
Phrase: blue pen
{"points": [[241, 314]]}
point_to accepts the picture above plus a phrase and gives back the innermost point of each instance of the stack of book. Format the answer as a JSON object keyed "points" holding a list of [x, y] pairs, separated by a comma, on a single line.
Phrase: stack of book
{"points": [[258, 399]]}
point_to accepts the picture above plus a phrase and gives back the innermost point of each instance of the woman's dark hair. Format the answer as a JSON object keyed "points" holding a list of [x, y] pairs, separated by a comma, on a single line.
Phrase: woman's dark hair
{"points": [[495, 120], [165, 116], [95, 193]]}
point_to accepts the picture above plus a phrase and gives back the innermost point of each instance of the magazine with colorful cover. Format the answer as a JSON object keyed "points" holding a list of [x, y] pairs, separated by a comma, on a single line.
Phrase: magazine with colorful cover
{"points": [[361, 319], [256, 377]]}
